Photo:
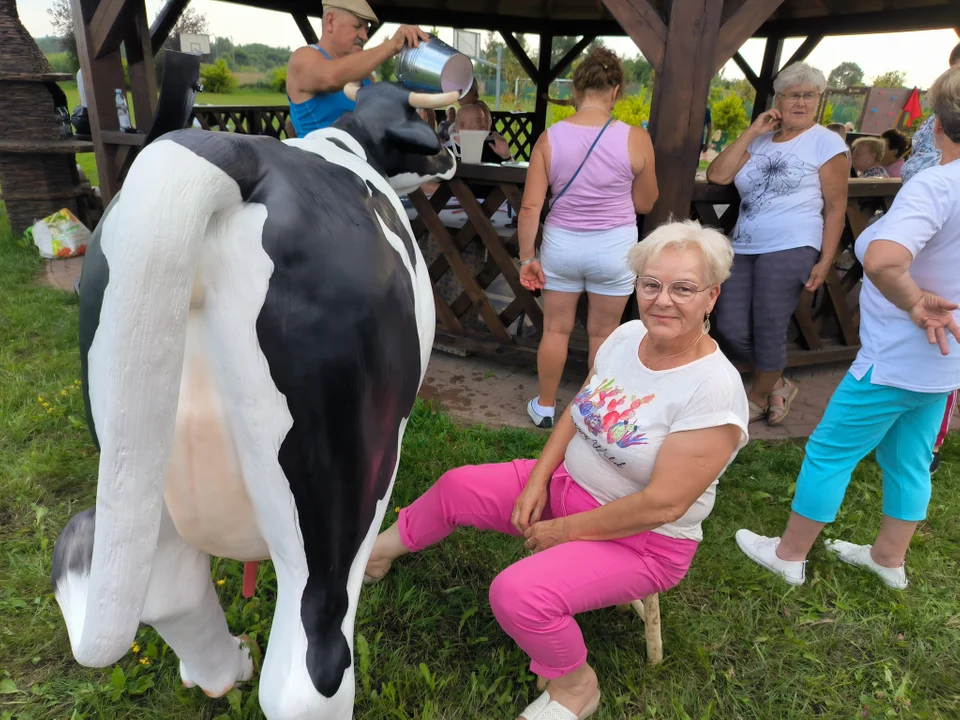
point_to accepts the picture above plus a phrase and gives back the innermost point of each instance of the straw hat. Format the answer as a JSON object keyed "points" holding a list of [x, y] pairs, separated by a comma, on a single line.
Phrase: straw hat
{"points": [[360, 8]]}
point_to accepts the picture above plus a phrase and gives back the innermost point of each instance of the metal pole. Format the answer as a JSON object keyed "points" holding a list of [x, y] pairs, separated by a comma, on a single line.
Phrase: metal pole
{"points": [[499, 60]]}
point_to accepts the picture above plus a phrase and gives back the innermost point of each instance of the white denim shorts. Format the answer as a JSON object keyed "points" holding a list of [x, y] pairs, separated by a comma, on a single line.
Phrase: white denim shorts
{"points": [[591, 260]]}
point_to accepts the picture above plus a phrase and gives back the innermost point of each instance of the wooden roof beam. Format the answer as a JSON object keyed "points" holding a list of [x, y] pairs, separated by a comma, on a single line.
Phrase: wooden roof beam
{"points": [[933, 17], [644, 25], [165, 21], [572, 54], [746, 69], [306, 29], [107, 26], [741, 27], [803, 52], [517, 49]]}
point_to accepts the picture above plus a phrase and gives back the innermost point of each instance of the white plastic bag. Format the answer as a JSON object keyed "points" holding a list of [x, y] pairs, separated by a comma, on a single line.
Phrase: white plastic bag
{"points": [[60, 235]]}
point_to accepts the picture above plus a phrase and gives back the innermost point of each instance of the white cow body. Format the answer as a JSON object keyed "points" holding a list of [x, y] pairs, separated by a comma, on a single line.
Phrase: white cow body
{"points": [[195, 434]]}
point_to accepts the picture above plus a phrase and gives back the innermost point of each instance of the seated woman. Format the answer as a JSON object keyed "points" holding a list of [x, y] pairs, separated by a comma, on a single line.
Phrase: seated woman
{"points": [[791, 175], [894, 395], [897, 146], [472, 117], [867, 156], [613, 507]]}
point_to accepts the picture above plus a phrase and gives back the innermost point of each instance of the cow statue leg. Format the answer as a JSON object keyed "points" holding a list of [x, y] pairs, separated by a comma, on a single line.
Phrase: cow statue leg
{"points": [[182, 605]]}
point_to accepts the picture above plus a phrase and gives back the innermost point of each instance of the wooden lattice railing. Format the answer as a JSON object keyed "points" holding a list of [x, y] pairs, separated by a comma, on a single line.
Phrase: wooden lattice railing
{"points": [[246, 119], [472, 251], [517, 130]]}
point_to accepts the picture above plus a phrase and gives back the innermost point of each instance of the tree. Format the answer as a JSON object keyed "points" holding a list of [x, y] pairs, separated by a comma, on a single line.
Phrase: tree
{"points": [[729, 116], [512, 73], [191, 22], [890, 79], [638, 71], [387, 72], [845, 75], [61, 17]]}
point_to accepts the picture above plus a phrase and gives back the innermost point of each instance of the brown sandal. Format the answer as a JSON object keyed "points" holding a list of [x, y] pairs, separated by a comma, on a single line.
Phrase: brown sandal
{"points": [[787, 392]]}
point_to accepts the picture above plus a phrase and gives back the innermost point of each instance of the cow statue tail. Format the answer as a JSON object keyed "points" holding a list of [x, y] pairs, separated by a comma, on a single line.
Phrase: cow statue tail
{"points": [[151, 239]]}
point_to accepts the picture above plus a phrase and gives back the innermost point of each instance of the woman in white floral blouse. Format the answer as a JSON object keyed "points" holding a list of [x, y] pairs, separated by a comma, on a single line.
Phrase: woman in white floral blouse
{"points": [[925, 153], [792, 178]]}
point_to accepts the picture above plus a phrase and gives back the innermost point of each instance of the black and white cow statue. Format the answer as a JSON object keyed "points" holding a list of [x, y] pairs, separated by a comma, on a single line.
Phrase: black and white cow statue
{"points": [[255, 322]]}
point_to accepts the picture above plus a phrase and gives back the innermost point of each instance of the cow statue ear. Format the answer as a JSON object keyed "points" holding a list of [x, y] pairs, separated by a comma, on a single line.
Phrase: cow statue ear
{"points": [[415, 137]]}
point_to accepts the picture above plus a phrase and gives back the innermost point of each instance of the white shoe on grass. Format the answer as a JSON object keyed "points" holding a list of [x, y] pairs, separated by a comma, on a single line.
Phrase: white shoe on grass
{"points": [[763, 551], [860, 555]]}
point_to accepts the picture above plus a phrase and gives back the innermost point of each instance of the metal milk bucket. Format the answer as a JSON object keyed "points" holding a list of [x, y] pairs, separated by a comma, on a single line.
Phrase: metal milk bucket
{"points": [[434, 67]]}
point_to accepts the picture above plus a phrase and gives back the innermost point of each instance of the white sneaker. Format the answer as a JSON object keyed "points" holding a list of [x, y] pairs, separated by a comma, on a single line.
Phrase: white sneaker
{"points": [[763, 551], [543, 422], [860, 555]]}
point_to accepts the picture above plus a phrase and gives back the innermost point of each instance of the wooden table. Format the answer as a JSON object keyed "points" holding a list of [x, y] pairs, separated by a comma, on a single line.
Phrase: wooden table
{"points": [[478, 253]]}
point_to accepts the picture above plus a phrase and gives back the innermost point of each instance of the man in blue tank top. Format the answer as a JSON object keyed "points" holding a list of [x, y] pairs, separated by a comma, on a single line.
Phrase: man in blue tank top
{"points": [[317, 74]]}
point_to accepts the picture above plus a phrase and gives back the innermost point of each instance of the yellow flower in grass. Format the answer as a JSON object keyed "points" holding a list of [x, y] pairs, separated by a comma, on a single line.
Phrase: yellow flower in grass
{"points": [[135, 648], [221, 581], [144, 661], [397, 509]]}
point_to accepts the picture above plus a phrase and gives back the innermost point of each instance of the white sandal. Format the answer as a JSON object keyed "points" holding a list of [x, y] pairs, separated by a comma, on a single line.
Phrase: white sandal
{"points": [[543, 708]]}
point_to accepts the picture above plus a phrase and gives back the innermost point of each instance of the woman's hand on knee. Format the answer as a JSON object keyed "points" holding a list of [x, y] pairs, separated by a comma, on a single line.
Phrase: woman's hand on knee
{"points": [[529, 506]]}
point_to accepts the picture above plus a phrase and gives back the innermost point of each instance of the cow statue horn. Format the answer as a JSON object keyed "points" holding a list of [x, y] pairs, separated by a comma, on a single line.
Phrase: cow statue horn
{"points": [[350, 90], [432, 101]]}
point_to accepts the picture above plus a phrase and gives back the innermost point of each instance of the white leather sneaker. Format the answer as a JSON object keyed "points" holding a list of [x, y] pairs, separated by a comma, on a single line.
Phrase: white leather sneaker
{"points": [[860, 555], [763, 551], [544, 422]]}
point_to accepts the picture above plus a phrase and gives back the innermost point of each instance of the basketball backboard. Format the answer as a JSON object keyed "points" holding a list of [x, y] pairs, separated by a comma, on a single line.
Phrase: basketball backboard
{"points": [[196, 44], [467, 42]]}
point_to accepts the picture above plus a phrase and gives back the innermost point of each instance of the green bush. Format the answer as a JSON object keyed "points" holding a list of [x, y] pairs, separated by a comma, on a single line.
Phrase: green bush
{"points": [[633, 110], [217, 78], [556, 113], [278, 83], [729, 116]]}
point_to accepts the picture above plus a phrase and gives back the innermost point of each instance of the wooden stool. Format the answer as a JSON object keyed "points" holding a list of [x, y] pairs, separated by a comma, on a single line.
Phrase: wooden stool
{"points": [[648, 609]]}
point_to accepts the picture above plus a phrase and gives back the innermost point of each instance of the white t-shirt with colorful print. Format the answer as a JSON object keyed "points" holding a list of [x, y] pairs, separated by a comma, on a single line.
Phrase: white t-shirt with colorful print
{"points": [[625, 412]]}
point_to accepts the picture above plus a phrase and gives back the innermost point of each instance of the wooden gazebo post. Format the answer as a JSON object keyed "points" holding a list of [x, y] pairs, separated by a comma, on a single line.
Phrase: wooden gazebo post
{"points": [[686, 49], [101, 26]]}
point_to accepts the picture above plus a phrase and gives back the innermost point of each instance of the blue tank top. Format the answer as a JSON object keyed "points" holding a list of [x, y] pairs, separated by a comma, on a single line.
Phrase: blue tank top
{"points": [[322, 110]]}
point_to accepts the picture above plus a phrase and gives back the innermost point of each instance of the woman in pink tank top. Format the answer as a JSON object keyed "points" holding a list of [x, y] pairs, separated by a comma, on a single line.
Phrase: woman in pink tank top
{"points": [[592, 221]]}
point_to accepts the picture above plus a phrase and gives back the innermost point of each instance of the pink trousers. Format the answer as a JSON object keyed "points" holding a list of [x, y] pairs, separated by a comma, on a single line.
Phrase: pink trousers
{"points": [[535, 599]]}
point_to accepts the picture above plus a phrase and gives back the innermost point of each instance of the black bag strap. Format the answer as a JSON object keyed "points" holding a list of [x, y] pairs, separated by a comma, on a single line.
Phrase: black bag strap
{"points": [[553, 201]]}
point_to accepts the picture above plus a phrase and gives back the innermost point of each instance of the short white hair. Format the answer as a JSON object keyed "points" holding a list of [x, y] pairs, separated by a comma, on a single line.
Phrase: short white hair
{"points": [[799, 75], [714, 246]]}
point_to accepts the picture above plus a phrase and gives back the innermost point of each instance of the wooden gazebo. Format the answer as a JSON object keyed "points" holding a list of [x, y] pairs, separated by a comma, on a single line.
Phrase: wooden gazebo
{"points": [[687, 42]]}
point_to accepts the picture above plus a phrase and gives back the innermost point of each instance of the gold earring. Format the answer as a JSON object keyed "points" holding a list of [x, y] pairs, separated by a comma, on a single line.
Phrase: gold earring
{"points": [[706, 324]]}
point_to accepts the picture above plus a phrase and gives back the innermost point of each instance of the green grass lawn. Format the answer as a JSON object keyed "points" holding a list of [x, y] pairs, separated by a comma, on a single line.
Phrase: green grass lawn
{"points": [[738, 642]]}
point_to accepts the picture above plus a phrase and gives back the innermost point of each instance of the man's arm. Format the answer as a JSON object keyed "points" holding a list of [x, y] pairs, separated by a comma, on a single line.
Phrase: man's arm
{"points": [[309, 72]]}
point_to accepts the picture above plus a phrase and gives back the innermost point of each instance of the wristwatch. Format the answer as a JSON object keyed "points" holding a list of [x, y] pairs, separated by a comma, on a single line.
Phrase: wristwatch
{"points": [[526, 262]]}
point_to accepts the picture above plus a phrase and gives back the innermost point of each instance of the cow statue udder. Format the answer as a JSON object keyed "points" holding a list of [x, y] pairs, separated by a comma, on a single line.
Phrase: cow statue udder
{"points": [[255, 322]]}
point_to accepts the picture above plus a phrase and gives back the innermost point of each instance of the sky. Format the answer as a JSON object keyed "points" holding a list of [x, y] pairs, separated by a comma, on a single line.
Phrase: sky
{"points": [[921, 55]]}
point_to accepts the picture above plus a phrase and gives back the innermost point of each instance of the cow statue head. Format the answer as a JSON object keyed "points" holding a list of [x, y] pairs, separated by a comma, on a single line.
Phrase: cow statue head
{"points": [[397, 142]]}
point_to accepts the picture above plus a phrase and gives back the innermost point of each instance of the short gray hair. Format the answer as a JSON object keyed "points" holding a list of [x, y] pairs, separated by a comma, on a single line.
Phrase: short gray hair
{"points": [[713, 245], [799, 75], [944, 98]]}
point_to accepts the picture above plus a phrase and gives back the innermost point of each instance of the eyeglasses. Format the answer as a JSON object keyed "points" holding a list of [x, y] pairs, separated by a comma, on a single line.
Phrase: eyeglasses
{"points": [[680, 291], [793, 98]]}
